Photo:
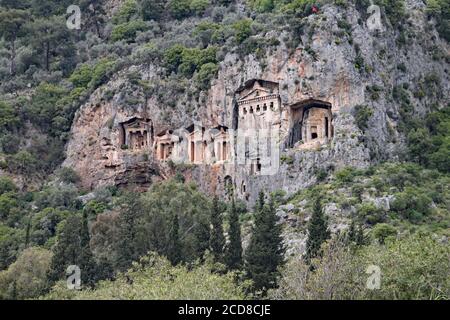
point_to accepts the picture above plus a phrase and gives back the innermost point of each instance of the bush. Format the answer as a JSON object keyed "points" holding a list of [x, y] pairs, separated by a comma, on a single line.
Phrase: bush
{"points": [[412, 204], [127, 31], [195, 282], [199, 6], [10, 143], [27, 277], [370, 213], [44, 104], [382, 231], [207, 72], [362, 114], [102, 71], [346, 175], [412, 268], [242, 30], [180, 9], [189, 60], [7, 185], [128, 9], [22, 162], [68, 175], [8, 117], [82, 76]]}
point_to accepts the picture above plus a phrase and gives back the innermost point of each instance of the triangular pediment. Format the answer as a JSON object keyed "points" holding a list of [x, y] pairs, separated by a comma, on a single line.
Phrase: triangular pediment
{"points": [[256, 93]]}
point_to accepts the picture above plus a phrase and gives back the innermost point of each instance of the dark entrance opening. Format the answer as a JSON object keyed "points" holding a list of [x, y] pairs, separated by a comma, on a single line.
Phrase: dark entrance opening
{"points": [[326, 128]]}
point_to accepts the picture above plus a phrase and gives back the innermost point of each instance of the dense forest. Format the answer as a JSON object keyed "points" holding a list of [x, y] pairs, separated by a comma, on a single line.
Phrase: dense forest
{"points": [[173, 241]]}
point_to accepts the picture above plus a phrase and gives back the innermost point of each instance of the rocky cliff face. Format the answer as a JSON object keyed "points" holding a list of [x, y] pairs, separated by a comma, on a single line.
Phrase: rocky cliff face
{"points": [[346, 66]]}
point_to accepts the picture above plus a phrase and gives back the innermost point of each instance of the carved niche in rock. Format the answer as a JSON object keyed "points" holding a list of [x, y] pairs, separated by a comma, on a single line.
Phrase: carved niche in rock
{"points": [[311, 124], [137, 134]]}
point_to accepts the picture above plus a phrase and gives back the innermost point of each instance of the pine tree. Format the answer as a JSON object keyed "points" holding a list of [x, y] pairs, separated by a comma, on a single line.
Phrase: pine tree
{"points": [[261, 202], [317, 230], [67, 249], [265, 253], [233, 256], [217, 237], [87, 264], [126, 246], [174, 252], [12, 27]]}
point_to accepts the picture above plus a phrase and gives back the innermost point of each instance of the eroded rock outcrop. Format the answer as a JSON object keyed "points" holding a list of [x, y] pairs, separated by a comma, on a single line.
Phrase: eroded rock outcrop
{"points": [[321, 73]]}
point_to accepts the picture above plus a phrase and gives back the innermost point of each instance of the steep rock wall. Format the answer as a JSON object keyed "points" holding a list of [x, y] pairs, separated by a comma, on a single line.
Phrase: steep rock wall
{"points": [[322, 67]]}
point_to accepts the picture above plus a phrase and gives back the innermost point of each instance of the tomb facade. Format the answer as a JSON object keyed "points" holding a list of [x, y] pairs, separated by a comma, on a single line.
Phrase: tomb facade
{"points": [[259, 104], [164, 145], [221, 146], [311, 124], [136, 134]]}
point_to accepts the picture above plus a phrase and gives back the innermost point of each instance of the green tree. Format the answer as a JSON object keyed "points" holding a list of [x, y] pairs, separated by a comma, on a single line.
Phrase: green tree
{"points": [[160, 204], [152, 9], [243, 30], [87, 264], [217, 237], [27, 277], [233, 255], [174, 253], [67, 249], [51, 38], [44, 106], [8, 117], [265, 253], [318, 231], [196, 281], [180, 9], [12, 26], [127, 250]]}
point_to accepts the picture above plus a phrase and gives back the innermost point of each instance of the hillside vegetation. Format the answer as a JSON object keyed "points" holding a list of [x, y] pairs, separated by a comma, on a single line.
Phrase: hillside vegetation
{"points": [[173, 241]]}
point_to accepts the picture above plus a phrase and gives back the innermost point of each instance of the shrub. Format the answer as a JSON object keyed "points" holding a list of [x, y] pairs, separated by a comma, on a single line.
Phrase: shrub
{"points": [[382, 231], [346, 175], [199, 6], [10, 143], [22, 162], [370, 213], [8, 117], [27, 277], [189, 60], [102, 72], [44, 107], [68, 175], [207, 72], [242, 30], [194, 282], [180, 9], [7, 185], [412, 204], [127, 31], [82, 76], [128, 9], [362, 114]]}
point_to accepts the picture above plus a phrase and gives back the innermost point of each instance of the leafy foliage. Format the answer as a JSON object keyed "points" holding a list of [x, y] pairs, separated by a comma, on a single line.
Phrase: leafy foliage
{"points": [[147, 280]]}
